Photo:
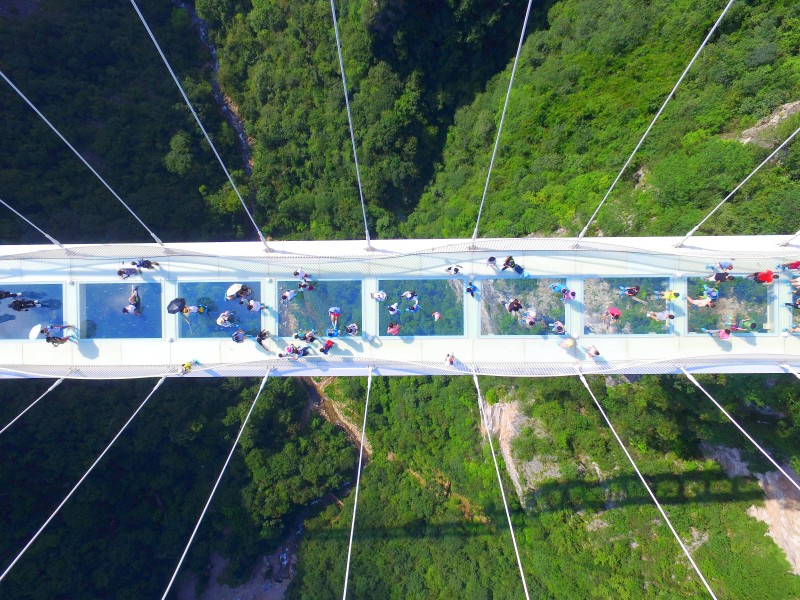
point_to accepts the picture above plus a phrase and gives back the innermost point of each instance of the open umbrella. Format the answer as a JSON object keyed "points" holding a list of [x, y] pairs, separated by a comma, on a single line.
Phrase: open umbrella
{"points": [[35, 331], [233, 290], [176, 306]]}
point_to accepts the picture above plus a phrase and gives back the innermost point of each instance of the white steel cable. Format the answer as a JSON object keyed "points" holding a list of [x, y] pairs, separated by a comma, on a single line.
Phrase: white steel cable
{"points": [[736, 189], [30, 406], [791, 239], [358, 481], [502, 119], [500, 482], [792, 370], [78, 154], [653, 122], [11, 208], [647, 487], [214, 489], [350, 121], [80, 481], [203, 129], [739, 427]]}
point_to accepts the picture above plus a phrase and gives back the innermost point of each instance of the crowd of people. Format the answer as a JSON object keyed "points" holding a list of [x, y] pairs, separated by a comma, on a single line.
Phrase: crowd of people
{"points": [[409, 304]]}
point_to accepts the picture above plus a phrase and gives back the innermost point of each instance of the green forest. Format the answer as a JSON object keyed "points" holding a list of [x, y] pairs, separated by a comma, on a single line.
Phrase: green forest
{"points": [[427, 83]]}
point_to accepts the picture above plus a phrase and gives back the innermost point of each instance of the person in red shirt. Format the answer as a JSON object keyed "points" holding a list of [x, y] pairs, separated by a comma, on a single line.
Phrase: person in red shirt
{"points": [[327, 347], [793, 266], [765, 277]]}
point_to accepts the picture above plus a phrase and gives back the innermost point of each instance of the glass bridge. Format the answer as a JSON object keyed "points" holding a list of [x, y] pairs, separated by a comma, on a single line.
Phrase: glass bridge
{"points": [[447, 297]]}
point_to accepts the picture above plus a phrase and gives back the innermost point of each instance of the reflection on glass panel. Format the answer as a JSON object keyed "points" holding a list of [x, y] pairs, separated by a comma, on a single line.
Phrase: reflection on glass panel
{"points": [[628, 305], [437, 308], [23, 307], [309, 310], [739, 304], [204, 302], [542, 306], [121, 310]]}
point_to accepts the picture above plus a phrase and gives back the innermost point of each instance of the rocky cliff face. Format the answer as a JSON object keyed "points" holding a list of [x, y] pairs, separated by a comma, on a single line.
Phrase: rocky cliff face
{"points": [[505, 422], [781, 511]]}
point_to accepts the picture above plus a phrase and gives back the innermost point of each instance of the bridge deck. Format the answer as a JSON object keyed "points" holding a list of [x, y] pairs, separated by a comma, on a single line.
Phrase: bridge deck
{"points": [[488, 353]]}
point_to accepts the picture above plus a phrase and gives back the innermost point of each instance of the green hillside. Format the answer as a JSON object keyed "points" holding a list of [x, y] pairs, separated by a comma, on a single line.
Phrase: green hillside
{"points": [[427, 83]]}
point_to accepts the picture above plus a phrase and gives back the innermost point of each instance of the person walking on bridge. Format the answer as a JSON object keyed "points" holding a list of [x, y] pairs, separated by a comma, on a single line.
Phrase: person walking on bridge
{"points": [[308, 336], [765, 277], [701, 302], [668, 295], [333, 313], [134, 303], [791, 266], [128, 272], [718, 278], [58, 341], [144, 263], [49, 330], [722, 334], [722, 265], [226, 319], [509, 263], [663, 315]]}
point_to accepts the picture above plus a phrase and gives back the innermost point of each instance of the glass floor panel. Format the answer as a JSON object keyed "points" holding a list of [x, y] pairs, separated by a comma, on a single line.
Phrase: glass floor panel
{"points": [[102, 316], [443, 296], [602, 293], [211, 297], [540, 304], [739, 301], [310, 310]]}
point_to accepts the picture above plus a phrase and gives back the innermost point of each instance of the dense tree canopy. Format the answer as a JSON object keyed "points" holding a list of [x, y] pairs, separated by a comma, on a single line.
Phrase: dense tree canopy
{"points": [[426, 86]]}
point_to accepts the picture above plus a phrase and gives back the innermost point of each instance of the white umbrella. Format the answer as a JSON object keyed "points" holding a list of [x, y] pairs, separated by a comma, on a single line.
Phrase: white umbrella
{"points": [[233, 290], [35, 331]]}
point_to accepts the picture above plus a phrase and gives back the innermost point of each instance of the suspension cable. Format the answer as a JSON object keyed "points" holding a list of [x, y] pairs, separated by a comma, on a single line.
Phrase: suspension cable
{"points": [[653, 122], [739, 427], [78, 154], [500, 482], [214, 489], [11, 208], [792, 370], [647, 487], [203, 129], [791, 239], [736, 189], [14, 420], [358, 480], [502, 119], [350, 121], [80, 481]]}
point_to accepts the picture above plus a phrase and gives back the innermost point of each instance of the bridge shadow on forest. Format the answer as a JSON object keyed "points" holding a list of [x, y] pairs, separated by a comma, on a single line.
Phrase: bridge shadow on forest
{"points": [[699, 487]]}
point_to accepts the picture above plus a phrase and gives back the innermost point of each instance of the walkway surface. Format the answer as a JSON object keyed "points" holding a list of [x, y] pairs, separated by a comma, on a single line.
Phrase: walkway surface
{"points": [[559, 259]]}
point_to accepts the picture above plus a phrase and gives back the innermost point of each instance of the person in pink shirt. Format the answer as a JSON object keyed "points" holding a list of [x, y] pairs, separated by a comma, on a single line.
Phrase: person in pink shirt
{"points": [[393, 329]]}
